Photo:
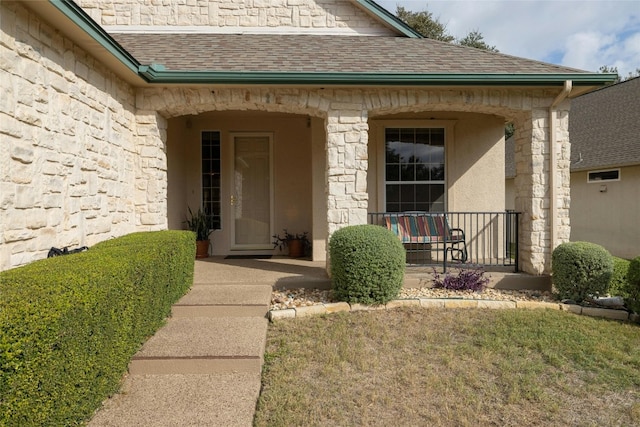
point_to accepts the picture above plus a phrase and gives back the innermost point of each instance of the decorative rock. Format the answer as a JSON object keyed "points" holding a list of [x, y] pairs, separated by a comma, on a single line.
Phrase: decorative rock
{"points": [[431, 303]]}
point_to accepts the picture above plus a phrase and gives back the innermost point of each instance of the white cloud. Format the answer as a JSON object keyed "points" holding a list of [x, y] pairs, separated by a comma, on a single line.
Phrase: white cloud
{"points": [[579, 34]]}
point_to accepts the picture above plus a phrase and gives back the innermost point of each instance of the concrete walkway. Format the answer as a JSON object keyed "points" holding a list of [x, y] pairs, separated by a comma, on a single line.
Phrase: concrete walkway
{"points": [[203, 367]]}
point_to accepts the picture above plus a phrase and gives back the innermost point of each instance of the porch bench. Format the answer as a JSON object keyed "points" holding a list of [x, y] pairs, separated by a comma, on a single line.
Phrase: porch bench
{"points": [[429, 228]]}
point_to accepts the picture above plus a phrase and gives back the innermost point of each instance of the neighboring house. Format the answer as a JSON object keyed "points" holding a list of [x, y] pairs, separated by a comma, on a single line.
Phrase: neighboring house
{"points": [[605, 168], [118, 114]]}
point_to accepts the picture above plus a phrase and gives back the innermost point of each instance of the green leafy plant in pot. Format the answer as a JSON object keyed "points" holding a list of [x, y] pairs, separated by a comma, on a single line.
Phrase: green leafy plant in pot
{"points": [[199, 223], [298, 244]]}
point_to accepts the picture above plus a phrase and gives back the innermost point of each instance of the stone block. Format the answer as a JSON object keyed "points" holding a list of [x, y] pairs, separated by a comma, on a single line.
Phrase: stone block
{"points": [[288, 313], [496, 304], [311, 310], [538, 305], [573, 308], [431, 303], [403, 303], [606, 313], [364, 307], [335, 307], [460, 303]]}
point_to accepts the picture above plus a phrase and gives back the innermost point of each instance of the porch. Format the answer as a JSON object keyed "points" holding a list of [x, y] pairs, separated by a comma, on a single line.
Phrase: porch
{"points": [[442, 239], [294, 273]]}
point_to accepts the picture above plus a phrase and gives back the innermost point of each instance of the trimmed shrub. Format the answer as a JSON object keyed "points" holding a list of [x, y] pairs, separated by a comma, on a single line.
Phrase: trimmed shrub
{"points": [[633, 285], [69, 325], [367, 264], [581, 270], [618, 284]]}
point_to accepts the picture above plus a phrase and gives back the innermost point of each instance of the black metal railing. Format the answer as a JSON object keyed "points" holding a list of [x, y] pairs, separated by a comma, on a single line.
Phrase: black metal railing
{"points": [[485, 238]]}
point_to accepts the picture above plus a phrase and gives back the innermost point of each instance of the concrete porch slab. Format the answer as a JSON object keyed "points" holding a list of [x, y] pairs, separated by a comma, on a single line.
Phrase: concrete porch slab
{"points": [[227, 399]]}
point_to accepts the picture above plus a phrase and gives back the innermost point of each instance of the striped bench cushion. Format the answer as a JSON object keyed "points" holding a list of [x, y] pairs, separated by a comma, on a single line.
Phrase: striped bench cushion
{"points": [[419, 228]]}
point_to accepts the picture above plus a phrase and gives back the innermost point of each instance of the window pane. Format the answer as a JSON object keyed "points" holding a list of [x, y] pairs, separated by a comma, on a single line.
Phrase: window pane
{"points": [[408, 173], [393, 193], [414, 156], [393, 172], [437, 137], [422, 172]]}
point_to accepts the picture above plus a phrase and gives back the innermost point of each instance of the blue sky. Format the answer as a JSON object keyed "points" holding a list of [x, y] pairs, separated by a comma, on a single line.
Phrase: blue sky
{"points": [[583, 34]]}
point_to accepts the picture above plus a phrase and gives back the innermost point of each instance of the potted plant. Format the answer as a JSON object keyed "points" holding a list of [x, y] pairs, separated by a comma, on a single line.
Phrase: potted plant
{"points": [[199, 224], [298, 244]]}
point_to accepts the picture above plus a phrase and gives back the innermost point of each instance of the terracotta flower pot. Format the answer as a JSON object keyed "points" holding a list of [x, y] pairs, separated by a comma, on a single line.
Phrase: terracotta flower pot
{"points": [[202, 249], [296, 248]]}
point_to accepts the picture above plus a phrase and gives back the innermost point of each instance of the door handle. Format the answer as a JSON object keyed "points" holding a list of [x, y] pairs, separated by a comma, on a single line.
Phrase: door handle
{"points": [[233, 200]]}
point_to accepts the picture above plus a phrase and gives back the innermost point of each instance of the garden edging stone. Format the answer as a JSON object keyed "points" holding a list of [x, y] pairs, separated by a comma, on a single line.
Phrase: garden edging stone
{"points": [[291, 313]]}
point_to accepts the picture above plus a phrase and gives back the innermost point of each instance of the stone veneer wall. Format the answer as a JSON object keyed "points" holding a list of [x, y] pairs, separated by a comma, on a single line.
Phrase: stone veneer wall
{"points": [[78, 164], [346, 113], [313, 14]]}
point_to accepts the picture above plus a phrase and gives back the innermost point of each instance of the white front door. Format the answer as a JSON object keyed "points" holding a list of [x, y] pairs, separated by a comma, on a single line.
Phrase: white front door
{"points": [[251, 191]]}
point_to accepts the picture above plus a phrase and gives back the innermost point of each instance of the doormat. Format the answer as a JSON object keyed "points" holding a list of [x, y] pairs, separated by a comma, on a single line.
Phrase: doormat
{"points": [[248, 257]]}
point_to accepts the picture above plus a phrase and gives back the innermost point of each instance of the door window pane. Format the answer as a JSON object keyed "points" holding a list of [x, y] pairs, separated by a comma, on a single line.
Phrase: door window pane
{"points": [[210, 152]]}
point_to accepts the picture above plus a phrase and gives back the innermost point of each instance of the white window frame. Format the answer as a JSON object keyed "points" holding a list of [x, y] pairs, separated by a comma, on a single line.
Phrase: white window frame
{"points": [[382, 125], [598, 181]]}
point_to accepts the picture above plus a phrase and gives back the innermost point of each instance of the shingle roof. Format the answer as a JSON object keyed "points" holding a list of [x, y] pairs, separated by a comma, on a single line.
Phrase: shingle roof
{"points": [[320, 53], [604, 127]]}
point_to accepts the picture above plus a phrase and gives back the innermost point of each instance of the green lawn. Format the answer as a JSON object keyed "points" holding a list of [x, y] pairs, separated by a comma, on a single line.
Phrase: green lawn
{"points": [[419, 367]]}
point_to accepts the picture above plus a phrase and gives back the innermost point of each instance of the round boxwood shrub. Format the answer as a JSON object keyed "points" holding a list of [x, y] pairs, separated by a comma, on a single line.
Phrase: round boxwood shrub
{"points": [[581, 270], [367, 264]]}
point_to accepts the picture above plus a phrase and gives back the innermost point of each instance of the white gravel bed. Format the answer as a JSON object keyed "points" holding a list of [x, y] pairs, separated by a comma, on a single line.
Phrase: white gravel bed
{"points": [[291, 298]]}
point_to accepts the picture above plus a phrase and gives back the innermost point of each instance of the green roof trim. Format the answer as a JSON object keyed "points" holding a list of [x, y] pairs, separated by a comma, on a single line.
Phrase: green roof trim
{"points": [[156, 74], [389, 18], [79, 17]]}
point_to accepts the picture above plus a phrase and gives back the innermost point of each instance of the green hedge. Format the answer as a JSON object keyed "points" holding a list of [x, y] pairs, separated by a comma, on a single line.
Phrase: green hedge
{"points": [[618, 284], [69, 325], [367, 264], [581, 270], [633, 285]]}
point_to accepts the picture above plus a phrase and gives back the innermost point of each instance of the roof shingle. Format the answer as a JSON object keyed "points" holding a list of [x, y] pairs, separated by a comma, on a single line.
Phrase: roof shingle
{"points": [[320, 53]]}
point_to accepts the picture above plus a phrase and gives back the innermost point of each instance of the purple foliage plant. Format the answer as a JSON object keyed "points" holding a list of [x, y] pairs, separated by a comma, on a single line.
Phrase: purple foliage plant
{"points": [[472, 279]]}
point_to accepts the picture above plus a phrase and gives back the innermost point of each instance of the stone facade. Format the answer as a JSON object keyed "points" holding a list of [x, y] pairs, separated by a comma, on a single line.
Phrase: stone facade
{"points": [[346, 113], [301, 14], [78, 163], [83, 154]]}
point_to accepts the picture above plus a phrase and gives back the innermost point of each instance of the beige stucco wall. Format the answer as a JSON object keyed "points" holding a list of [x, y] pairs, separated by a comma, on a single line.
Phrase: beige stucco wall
{"points": [[474, 153], [607, 213], [78, 163], [303, 15], [291, 172]]}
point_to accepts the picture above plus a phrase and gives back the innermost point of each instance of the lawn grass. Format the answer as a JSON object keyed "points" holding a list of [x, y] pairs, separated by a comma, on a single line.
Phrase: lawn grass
{"points": [[419, 367]]}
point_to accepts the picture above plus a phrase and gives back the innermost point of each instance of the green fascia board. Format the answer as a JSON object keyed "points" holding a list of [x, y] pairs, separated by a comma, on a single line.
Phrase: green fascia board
{"points": [[79, 17], [389, 18], [157, 75]]}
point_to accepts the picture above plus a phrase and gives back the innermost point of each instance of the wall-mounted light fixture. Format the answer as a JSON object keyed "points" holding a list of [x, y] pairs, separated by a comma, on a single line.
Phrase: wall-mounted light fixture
{"points": [[603, 188]]}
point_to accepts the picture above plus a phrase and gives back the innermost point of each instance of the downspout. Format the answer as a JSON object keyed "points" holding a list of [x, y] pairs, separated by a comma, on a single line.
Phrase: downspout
{"points": [[553, 162]]}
